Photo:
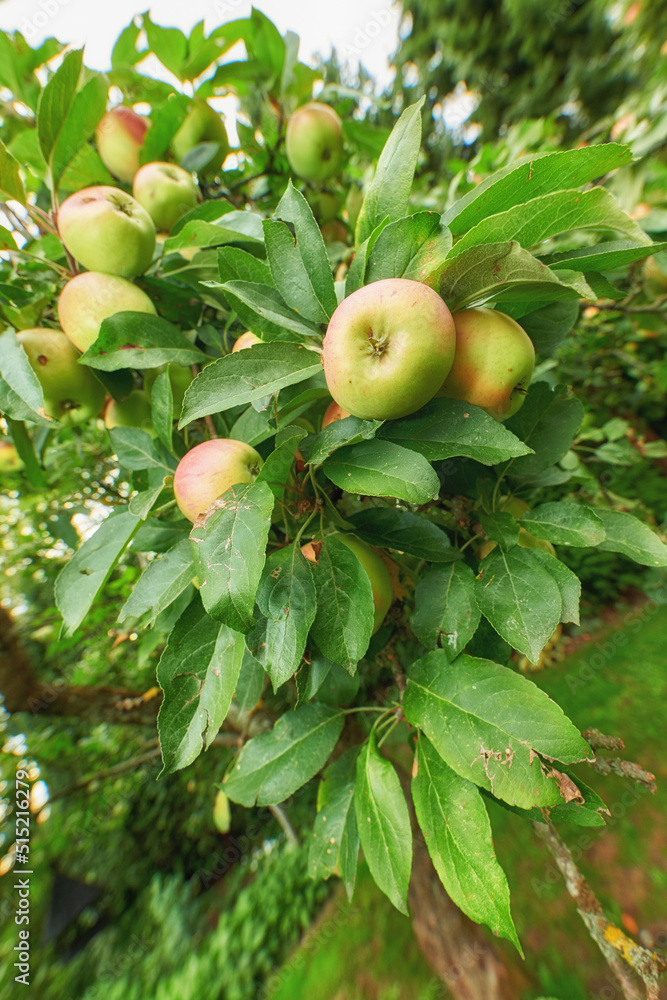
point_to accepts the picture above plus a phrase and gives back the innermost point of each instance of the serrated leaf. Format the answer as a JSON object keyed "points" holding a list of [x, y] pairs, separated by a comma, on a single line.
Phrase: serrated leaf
{"points": [[567, 582], [250, 684], [632, 538], [488, 723], [383, 469], [446, 612], [21, 395], [160, 584], [500, 527], [11, 185], [334, 846], [337, 434], [294, 208], [270, 308], [162, 409], [86, 111], [603, 256], [139, 340], [275, 471], [565, 524], [231, 227], [414, 248], [384, 824], [272, 766], [197, 671], [344, 620], [56, 100], [136, 450], [391, 528], [456, 827], [547, 422]]}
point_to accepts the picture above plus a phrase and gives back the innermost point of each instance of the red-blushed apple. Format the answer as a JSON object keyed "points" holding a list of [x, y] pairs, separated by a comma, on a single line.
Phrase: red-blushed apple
{"points": [[166, 191], [106, 230], [388, 349], [245, 341], [493, 362], [314, 142], [332, 413], [378, 574], [180, 377], [209, 469], [91, 297], [201, 125], [72, 394], [133, 411], [119, 137]]}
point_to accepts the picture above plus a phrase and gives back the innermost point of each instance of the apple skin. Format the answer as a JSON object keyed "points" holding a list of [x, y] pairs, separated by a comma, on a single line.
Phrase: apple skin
{"points": [[209, 469], [493, 363], [245, 341], [180, 377], [376, 569], [166, 191], [72, 394], [106, 230], [202, 124], [332, 413], [388, 349], [314, 142], [133, 411], [91, 297], [119, 137]]}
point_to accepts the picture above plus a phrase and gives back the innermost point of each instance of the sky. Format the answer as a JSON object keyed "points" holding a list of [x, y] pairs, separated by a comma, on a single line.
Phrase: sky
{"points": [[365, 30]]}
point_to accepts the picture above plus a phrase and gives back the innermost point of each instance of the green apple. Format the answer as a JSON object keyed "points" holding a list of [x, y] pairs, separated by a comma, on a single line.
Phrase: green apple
{"points": [[314, 142], [119, 137], [245, 341], [332, 413], [375, 567], [133, 411], [72, 394], [388, 349], [166, 192], [493, 363], [209, 469], [106, 230], [91, 297], [202, 124], [180, 377]]}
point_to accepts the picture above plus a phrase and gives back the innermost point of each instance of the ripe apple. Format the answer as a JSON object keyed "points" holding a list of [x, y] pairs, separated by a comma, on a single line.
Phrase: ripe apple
{"points": [[133, 411], [91, 297], [166, 192], [106, 230], [493, 363], [332, 413], [388, 349], [246, 340], [180, 377], [202, 124], [119, 136], [209, 469], [72, 394], [314, 142], [378, 574]]}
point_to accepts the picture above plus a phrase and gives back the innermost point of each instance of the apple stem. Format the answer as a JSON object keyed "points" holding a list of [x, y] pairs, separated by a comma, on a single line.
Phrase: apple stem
{"points": [[211, 426]]}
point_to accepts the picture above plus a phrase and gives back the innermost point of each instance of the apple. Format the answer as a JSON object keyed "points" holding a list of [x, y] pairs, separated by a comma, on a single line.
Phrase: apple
{"points": [[314, 142], [246, 340], [106, 230], [133, 411], [10, 461], [209, 469], [180, 377], [72, 394], [91, 297], [119, 136], [333, 412], [202, 124], [493, 363], [388, 349], [166, 192], [378, 574]]}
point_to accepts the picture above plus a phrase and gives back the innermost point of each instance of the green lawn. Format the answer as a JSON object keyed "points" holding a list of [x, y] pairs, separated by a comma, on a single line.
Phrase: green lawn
{"points": [[617, 684]]}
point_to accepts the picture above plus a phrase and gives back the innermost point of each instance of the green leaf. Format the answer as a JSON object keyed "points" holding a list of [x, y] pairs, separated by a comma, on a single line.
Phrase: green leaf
{"points": [[197, 671], [233, 227], [565, 524], [290, 272], [384, 824], [446, 612], [139, 340], [228, 547], [160, 584], [488, 724], [287, 598], [356, 275], [169, 44], [389, 191], [603, 256], [166, 119], [246, 376], [335, 839], [548, 423], [349, 430], [632, 538], [536, 175], [21, 395], [136, 450], [85, 113], [162, 409], [272, 766], [413, 248], [235, 264], [500, 527], [567, 582], [250, 684], [383, 469], [455, 823], [344, 620], [546, 326], [11, 185], [391, 528], [55, 102], [520, 599], [275, 471], [83, 577], [142, 503], [446, 428], [308, 257], [270, 309]]}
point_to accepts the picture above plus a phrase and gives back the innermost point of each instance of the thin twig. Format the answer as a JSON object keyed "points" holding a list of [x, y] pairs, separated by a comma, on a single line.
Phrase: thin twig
{"points": [[627, 769], [282, 819], [597, 739]]}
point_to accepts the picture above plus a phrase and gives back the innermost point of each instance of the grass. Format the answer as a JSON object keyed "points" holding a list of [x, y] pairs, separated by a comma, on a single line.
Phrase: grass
{"points": [[617, 684]]}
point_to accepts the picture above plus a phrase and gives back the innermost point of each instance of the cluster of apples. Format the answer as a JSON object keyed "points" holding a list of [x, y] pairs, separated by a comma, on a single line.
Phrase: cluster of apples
{"points": [[112, 234]]}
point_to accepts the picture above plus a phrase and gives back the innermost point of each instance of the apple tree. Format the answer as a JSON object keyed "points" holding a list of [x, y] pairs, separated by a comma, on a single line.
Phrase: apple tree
{"points": [[347, 479]]}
